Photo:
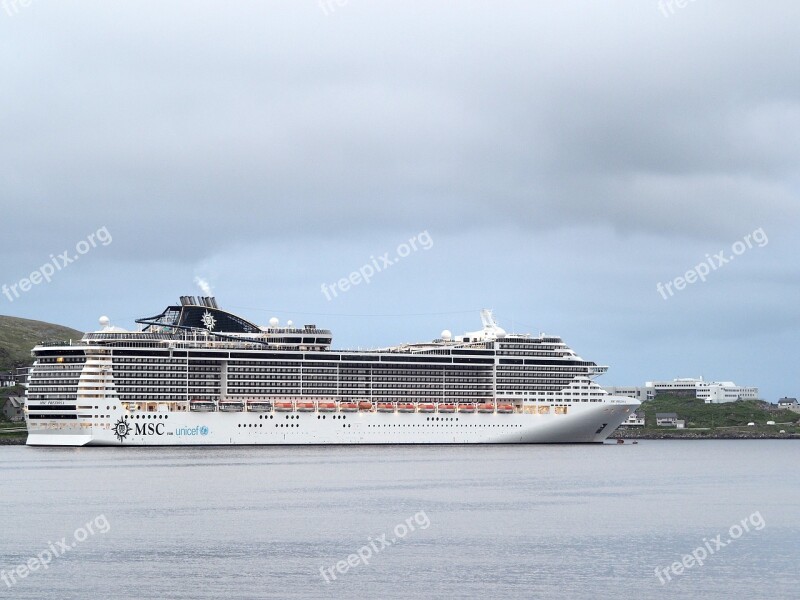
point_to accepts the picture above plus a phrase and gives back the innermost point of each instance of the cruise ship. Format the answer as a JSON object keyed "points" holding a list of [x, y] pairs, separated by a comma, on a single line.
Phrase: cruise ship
{"points": [[196, 374]]}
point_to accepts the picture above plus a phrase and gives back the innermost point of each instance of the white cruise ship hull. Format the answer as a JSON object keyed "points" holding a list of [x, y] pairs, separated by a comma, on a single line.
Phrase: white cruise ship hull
{"points": [[584, 424]]}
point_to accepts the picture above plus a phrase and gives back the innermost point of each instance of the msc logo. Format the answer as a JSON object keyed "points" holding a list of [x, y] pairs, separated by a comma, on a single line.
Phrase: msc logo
{"points": [[122, 428], [149, 428]]}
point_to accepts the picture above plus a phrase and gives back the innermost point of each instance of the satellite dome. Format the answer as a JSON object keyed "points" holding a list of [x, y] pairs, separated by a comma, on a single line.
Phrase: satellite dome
{"points": [[447, 335], [104, 321], [273, 322]]}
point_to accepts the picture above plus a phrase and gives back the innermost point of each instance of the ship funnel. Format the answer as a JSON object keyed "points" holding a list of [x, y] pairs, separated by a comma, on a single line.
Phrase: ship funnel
{"points": [[487, 318], [490, 326]]}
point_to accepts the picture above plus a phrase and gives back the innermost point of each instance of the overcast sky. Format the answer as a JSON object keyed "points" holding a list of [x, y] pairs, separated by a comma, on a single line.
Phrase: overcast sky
{"points": [[555, 161]]}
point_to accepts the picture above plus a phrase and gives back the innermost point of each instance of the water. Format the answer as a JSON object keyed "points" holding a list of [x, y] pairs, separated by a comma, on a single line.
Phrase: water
{"points": [[488, 521]]}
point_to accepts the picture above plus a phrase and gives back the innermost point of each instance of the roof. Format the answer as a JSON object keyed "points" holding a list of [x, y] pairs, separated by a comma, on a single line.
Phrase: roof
{"points": [[787, 401], [17, 401], [666, 415]]}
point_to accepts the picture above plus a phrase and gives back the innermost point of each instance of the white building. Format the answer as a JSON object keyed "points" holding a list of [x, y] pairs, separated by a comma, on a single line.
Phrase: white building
{"points": [[666, 419], [634, 420], [712, 392], [7, 380], [789, 404]]}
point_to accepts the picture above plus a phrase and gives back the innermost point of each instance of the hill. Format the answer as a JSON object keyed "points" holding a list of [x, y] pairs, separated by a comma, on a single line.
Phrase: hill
{"points": [[697, 413], [19, 336]]}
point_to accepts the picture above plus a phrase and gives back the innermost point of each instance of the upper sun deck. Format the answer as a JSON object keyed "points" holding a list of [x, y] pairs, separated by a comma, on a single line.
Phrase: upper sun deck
{"points": [[198, 323]]}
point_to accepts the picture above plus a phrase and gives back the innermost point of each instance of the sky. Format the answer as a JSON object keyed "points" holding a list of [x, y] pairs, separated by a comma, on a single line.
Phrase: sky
{"points": [[623, 174]]}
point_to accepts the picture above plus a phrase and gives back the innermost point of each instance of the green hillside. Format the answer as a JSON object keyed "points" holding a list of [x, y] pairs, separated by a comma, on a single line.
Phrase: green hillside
{"points": [[697, 413], [19, 336]]}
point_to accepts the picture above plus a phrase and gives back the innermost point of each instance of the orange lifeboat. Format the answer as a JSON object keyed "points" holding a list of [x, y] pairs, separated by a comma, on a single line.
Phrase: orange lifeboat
{"points": [[427, 408], [365, 405], [284, 406], [447, 408], [385, 407], [305, 406], [348, 406], [406, 407], [486, 408], [505, 409], [467, 408], [326, 406]]}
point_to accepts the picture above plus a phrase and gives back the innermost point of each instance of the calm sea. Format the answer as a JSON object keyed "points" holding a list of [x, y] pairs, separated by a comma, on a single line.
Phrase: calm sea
{"points": [[413, 522]]}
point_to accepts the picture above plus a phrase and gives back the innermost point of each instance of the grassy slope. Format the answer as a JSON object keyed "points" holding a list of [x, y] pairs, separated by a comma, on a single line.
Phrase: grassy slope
{"points": [[730, 414], [19, 336]]}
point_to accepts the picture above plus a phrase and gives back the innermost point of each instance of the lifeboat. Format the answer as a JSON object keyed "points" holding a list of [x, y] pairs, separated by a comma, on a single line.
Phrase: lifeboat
{"points": [[486, 408], [447, 408], [202, 405], [467, 408], [305, 407], [284, 406], [231, 405], [385, 406], [327, 406], [427, 408], [406, 407], [259, 406], [348, 406], [364, 405], [505, 409]]}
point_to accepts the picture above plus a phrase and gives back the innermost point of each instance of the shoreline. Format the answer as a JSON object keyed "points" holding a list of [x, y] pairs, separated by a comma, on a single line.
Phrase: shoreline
{"points": [[12, 440], [677, 434]]}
